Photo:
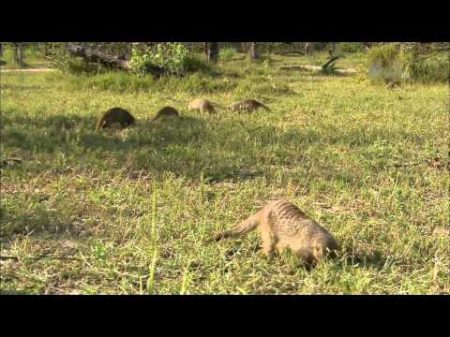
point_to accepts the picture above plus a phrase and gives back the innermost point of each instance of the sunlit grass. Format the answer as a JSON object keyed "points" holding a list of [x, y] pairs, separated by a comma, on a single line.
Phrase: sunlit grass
{"points": [[355, 156]]}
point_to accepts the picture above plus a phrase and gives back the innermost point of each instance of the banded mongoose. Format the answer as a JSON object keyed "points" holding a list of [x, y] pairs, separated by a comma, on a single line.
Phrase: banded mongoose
{"points": [[248, 105], [202, 105], [167, 111], [283, 225], [392, 84], [115, 117]]}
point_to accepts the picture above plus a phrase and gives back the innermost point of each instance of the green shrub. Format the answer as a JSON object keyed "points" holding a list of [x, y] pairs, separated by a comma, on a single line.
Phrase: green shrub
{"points": [[193, 63], [390, 63], [350, 47], [61, 60], [227, 53], [387, 63], [172, 57], [433, 68]]}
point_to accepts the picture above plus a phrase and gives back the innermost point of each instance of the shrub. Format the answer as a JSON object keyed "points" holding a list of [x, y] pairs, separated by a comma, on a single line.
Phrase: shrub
{"points": [[350, 47], [172, 57], [227, 53], [433, 68], [193, 63], [387, 64], [390, 63], [59, 59]]}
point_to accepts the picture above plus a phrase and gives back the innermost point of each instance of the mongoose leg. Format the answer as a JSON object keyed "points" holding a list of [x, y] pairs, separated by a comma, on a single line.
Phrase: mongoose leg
{"points": [[268, 242]]}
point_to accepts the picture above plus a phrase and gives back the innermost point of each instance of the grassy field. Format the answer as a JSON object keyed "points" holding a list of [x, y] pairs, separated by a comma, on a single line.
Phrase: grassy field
{"points": [[129, 212], [33, 58]]}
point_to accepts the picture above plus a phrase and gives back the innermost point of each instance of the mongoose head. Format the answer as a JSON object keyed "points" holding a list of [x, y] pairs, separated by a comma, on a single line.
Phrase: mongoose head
{"points": [[324, 247]]}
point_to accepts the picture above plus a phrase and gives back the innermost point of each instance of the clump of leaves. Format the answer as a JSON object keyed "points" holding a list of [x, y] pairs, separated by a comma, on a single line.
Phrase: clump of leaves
{"points": [[227, 53], [170, 57], [60, 59], [330, 68], [395, 63]]}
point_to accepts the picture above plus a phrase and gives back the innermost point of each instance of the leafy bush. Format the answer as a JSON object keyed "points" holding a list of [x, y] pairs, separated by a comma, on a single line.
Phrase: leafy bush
{"points": [[331, 69], [193, 63], [387, 63], [350, 47], [433, 68], [61, 60], [390, 63], [227, 53], [172, 57], [77, 65]]}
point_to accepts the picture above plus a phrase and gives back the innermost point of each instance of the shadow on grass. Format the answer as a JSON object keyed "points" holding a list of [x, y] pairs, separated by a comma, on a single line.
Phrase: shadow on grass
{"points": [[188, 147], [374, 259], [192, 148]]}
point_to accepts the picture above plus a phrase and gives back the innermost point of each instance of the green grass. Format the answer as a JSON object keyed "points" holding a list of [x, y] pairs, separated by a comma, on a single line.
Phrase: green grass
{"points": [[129, 212], [33, 58]]}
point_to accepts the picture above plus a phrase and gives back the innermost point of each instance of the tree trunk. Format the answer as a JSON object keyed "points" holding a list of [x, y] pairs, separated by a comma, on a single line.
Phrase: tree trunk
{"points": [[206, 50], [1, 55], [19, 54], [253, 53], [332, 49], [307, 45], [212, 51], [46, 51]]}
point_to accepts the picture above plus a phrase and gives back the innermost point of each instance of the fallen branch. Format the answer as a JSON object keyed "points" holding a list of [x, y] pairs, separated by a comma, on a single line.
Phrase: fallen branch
{"points": [[96, 56]]}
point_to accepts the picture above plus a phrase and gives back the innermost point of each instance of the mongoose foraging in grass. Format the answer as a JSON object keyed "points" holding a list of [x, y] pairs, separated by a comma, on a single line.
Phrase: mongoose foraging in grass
{"points": [[283, 225], [248, 105], [115, 117], [167, 111], [392, 84], [202, 105]]}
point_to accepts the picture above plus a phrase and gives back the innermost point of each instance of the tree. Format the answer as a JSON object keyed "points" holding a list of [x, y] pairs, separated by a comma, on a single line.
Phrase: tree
{"points": [[306, 47], [1, 55], [332, 48], [244, 47], [252, 50], [19, 54], [212, 51]]}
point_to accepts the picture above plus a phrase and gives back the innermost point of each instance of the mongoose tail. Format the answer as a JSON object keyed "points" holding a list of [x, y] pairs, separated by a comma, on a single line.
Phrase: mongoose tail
{"points": [[265, 107], [243, 228]]}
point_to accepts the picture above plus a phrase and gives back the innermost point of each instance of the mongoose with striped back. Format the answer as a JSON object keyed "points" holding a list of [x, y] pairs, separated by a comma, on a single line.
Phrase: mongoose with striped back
{"points": [[282, 225], [115, 117], [199, 104], [165, 112], [202, 105], [248, 105]]}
